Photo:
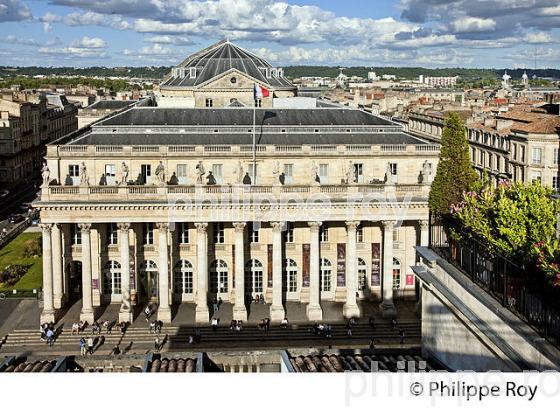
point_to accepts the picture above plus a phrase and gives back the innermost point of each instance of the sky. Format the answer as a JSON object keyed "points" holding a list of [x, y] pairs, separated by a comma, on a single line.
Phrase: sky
{"points": [[427, 33]]}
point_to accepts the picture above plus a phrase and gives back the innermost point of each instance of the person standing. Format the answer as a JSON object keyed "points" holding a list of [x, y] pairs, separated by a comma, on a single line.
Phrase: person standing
{"points": [[82, 347], [90, 344]]}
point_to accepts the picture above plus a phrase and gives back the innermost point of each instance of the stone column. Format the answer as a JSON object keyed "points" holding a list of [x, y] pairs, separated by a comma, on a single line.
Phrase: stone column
{"points": [[202, 314], [387, 306], [351, 308], [424, 232], [58, 278], [239, 309], [164, 309], [277, 309], [125, 314], [48, 313], [314, 311], [87, 314]]}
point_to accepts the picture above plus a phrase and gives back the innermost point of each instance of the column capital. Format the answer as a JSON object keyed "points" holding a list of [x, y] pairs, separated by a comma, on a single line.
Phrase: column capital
{"points": [[201, 227], [424, 223], [123, 226], [277, 226], [352, 225], [314, 226], [239, 226], [85, 228], [388, 225], [162, 226], [46, 227]]}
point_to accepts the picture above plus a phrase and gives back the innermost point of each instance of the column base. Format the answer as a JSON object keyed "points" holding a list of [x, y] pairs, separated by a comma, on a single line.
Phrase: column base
{"points": [[87, 316], [351, 311], [239, 313], [277, 313], [201, 314], [314, 312], [388, 309], [58, 303], [164, 314], [48, 316], [126, 316]]}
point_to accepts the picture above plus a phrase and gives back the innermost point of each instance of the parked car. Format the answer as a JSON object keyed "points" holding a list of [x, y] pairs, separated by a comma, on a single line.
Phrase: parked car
{"points": [[14, 219]]}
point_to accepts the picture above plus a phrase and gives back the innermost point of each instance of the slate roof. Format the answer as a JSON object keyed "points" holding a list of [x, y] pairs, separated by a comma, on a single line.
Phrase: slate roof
{"points": [[173, 365], [336, 363], [111, 104], [246, 139], [244, 117], [220, 58]]}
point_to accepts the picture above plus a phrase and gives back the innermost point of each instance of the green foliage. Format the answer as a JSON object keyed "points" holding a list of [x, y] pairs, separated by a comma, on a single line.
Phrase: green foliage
{"points": [[517, 221], [13, 254], [455, 174], [32, 248], [34, 83]]}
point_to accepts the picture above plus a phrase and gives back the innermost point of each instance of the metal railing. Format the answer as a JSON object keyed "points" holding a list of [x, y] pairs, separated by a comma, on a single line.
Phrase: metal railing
{"points": [[522, 289]]}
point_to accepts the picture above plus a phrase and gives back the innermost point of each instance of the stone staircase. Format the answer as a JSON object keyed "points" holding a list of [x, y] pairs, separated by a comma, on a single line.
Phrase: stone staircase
{"points": [[138, 340]]}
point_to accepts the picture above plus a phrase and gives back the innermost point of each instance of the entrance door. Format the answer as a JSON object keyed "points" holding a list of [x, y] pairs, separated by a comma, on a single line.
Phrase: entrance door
{"points": [[75, 284], [254, 278], [149, 282]]}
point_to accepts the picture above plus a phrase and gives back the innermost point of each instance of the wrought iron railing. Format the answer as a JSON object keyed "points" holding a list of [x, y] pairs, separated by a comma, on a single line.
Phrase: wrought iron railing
{"points": [[520, 288]]}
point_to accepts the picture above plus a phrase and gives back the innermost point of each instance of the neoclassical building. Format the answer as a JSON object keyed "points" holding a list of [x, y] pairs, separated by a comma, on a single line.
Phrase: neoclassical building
{"points": [[173, 206]]}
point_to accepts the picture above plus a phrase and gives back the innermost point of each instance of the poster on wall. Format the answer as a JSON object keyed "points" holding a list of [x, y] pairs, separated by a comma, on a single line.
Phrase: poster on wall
{"points": [[269, 266], [95, 284], [132, 263], [305, 271], [375, 264], [341, 264]]}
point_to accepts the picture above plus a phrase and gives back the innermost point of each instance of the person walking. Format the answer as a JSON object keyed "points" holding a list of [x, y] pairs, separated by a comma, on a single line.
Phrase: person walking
{"points": [[82, 347], [90, 345]]}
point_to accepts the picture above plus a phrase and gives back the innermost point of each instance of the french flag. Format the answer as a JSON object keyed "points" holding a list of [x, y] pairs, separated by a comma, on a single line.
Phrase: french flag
{"points": [[260, 92]]}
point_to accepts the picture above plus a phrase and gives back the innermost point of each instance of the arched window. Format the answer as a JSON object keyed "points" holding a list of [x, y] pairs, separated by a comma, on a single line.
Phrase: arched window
{"points": [[254, 275], [396, 274], [183, 277], [219, 277], [291, 275], [362, 274], [326, 269], [112, 278], [149, 278]]}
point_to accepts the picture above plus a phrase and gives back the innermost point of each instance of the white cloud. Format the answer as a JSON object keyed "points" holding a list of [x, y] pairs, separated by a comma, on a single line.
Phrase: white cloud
{"points": [[14, 10], [153, 50], [89, 42], [473, 25], [175, 40], [538, 38]]}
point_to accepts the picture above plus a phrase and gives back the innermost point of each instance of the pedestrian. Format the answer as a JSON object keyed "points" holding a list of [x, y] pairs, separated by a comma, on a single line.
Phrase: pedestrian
{"points": [[50, 337], [215, 322], [220, 301], [157, 344], [402, 336], [148, 312], [372, 322], [82, 347], [284, 323], [394, 323], [90, 344], [215, 305]]}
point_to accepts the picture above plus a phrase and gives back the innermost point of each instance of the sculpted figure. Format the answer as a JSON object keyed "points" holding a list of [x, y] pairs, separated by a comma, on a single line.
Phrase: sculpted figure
{"points": [[46, 174]]}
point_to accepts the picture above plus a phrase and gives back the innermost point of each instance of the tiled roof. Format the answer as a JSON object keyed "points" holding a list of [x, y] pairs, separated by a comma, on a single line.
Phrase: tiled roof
{"points": [[173, 365], [363, 363], [38, 366], [533, 122], [223, 57]]}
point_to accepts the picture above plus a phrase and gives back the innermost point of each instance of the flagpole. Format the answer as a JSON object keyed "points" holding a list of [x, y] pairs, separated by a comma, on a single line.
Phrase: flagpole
{"points": [[255, 140]]}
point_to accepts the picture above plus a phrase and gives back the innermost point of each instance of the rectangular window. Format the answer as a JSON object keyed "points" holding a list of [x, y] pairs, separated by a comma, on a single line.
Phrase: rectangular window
{"points": [[75, 234], [289, 232], [146, 172], [219, 234], [183, 233], [482, 158], [536, 155], [393, 166], [254, 233], [148, 238], [192, 72], [292, 280], [359, 173], [324, 233], [110, 174], [217, 173], [536, 176], [182, 174], [360, 234], [288, 173], [324, 173], [73, 171], [209, 103], [555, 159], [254, 175], [258, 103], [555, 183], [112, 234]]}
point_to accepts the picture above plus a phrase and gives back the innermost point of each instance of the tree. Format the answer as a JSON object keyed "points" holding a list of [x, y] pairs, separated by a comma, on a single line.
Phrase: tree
{"points": [[455, 174]]}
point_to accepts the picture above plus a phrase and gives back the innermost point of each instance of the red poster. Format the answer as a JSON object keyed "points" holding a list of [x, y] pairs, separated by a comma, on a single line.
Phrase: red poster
{"points": [[409, 280], [341, 264], [375, 264], [306, 261], [270, 266]]}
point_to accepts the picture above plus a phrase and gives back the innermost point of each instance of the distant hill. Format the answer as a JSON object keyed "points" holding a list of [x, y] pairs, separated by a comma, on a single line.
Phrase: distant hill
{"points": [[291, 72]]}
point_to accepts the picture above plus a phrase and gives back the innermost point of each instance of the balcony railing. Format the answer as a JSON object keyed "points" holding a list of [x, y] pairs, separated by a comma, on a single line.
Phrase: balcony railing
{"points": [[152, 192], [521, 289]]}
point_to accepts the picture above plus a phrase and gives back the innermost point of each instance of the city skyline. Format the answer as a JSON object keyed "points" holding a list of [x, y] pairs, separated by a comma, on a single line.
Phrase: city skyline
{"points": [[303, 32]]}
